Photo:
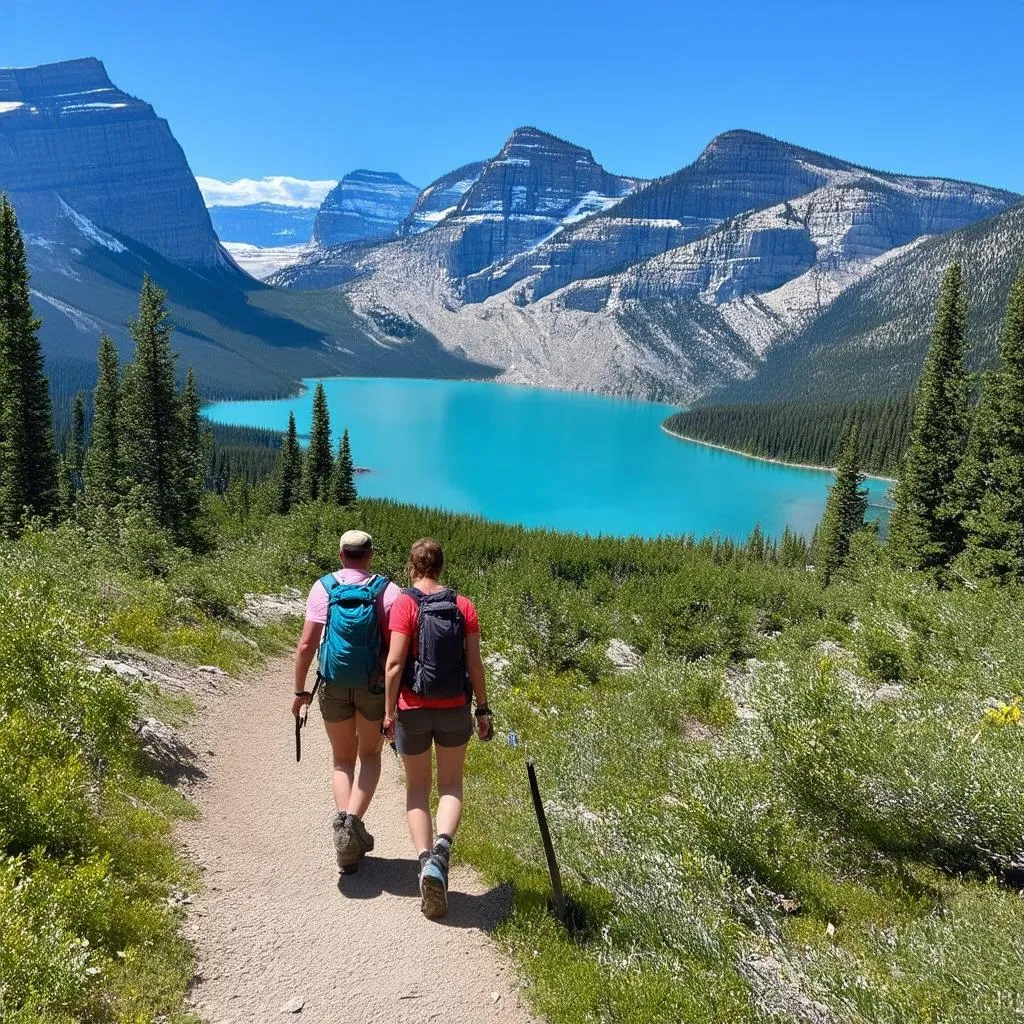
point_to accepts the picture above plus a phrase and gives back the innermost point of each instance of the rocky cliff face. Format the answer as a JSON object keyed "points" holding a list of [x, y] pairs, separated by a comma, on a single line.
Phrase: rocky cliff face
{"points": [[534, 187], [856, 214], [264, 224], [440, 198], [364, 204], [872, 339], [69, 137]]}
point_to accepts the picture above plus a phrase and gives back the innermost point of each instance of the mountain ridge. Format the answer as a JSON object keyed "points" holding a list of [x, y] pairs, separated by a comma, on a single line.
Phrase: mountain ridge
{"points": [[672, 288]]}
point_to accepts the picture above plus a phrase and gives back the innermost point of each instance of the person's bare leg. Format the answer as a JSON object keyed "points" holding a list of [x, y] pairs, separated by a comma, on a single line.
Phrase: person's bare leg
{"points": [[419, 779], [369, 743], [451, 764], [342, 736]]}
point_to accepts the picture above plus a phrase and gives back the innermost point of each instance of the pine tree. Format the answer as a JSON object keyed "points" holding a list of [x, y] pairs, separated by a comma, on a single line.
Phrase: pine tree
{"points": [[344, 474], [149, 412], [319, 459], [65, 486], [926, 528], [756, 547], [76, 442], [993, 470], [28, 454], [844, 511], [289, 476], [972, 473], [191, 458], [792, 550], [103, 474]]}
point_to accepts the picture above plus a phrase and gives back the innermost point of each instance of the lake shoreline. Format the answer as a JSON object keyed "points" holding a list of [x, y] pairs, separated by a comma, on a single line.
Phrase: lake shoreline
{"points": [[567, 452], [765, 458]]}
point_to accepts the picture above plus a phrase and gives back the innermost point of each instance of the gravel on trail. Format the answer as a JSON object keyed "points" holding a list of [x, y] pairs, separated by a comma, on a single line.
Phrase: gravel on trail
{"points": [[279, 935]]}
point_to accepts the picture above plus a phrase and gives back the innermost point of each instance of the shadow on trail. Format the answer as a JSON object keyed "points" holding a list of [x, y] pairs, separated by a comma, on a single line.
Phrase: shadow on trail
{"points": [[401, 878]]}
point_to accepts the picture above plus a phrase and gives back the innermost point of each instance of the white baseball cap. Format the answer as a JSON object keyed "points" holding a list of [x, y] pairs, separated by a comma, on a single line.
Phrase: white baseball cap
{"points": [[355, 542]]}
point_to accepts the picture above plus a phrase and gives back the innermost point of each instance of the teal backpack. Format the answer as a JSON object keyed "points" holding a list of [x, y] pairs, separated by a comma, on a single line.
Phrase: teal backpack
{"points": [[349, 652]]}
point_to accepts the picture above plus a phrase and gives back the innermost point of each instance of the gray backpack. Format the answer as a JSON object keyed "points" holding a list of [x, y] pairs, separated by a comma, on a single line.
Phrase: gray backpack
{"points": [[439, 668]]}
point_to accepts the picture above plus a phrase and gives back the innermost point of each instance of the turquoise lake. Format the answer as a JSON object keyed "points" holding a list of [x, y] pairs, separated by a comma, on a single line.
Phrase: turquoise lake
{"points": [[554, 459]]}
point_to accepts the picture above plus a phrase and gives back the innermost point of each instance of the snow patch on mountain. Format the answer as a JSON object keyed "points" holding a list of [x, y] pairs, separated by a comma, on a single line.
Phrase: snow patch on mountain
{"points": [[261, 262], [87, 228], [82, 321]]}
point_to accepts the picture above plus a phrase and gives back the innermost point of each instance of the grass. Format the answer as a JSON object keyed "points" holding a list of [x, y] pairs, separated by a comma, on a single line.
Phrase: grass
{"points": [[802, 805]]}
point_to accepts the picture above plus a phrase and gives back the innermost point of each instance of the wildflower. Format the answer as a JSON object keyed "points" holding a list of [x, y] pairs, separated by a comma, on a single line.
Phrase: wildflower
{"points": [[1006, 714]]}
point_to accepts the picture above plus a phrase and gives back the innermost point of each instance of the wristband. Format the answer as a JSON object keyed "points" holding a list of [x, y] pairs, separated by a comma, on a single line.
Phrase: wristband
{"points": [[482, 711], [303, 693]]}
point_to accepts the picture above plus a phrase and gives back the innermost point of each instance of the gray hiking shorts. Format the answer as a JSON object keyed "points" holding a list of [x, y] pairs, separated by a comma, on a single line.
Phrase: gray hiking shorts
{"points": [[417, 728]]}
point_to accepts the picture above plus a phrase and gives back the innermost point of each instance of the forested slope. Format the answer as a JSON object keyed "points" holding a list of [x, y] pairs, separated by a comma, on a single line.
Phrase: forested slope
{"points": [[871, 341], [809, 433]]}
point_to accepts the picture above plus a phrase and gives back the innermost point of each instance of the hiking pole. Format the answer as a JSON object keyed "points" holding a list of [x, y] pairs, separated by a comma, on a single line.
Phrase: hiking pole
{"points": [[557, 896], [300, 719]]}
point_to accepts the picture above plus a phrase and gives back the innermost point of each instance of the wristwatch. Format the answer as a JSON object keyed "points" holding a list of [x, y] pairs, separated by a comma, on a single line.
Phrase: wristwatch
{"points": [[482, 711], [303, 693]]}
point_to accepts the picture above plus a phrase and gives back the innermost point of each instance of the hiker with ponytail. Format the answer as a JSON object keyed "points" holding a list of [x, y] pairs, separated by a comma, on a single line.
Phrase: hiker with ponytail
{"points": [[434, 670]]}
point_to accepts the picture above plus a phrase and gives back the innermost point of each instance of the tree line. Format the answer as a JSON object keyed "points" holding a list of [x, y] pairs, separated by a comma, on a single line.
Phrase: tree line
{"points": [[147, 451], [959, 499], [806, 432]]}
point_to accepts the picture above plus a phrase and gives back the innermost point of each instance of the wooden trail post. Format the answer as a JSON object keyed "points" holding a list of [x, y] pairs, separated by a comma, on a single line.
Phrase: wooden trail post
{"points": [[557, 896]]}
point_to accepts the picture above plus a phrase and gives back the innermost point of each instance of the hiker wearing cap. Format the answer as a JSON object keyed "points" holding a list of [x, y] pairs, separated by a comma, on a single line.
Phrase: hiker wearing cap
{"points": [[347, 629], [434, 668]]}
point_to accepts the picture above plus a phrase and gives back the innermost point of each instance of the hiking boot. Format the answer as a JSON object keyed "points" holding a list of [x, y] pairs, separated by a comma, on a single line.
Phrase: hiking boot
{"points": [[434, 888], [363, 838], [346, 844]]}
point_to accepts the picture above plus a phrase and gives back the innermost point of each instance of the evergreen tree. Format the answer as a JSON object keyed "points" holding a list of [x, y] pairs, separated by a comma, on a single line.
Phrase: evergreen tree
{"points": [[844, 511], [993, 470], [792, 549], [149, 413], [972, 473], [191, 458], [756, 546], [65, 486], [76, 442], [289, 477], [28, 454], [102, 474], [344, 474], [319, 459], [926, 529]]}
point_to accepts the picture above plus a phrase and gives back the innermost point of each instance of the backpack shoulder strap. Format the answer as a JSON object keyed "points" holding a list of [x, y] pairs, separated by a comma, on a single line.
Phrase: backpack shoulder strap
{"points": [[377, 585], [329, 582], [416, 595]]}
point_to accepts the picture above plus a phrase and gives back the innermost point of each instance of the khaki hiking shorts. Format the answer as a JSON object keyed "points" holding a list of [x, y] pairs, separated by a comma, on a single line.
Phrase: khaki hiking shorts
{"points": [[340, 703]]}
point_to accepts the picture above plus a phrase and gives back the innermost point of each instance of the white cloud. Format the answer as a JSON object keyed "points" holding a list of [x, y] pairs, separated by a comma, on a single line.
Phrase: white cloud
{"points": [[276, 189]]}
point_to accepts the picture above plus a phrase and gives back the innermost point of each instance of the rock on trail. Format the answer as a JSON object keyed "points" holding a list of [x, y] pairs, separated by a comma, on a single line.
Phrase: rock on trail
{"points": [[274, 927]]}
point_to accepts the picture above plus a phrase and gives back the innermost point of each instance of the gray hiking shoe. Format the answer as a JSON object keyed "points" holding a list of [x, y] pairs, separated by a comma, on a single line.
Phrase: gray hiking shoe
{"points": [[434, 888], [363, 838], [346, 844]]}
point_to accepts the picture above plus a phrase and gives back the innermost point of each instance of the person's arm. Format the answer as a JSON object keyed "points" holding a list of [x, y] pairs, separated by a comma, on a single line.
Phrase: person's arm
{"points": [[305, 652], [475, 668], [398, 651]]}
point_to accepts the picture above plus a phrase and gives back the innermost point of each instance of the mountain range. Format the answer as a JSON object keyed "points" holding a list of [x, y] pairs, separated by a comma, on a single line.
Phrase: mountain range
{"points": [[761, 270], [563, 274], [104, 194]]}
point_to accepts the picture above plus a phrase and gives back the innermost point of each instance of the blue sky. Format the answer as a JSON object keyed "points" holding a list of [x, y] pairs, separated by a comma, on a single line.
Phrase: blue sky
{"points": [[314, 89]]}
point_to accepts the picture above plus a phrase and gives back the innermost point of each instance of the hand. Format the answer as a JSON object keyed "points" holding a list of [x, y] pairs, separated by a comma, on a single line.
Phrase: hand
{"points": [[301, 700], [387, 727], [485, 727]]}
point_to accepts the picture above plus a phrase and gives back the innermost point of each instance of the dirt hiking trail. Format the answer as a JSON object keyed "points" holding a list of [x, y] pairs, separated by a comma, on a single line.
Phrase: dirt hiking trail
{"points": [[274, 925]]}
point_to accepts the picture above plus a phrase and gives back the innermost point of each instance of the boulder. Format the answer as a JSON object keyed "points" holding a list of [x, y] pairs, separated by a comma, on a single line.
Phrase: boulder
{"points": [[171, 757], [623, 657]]}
